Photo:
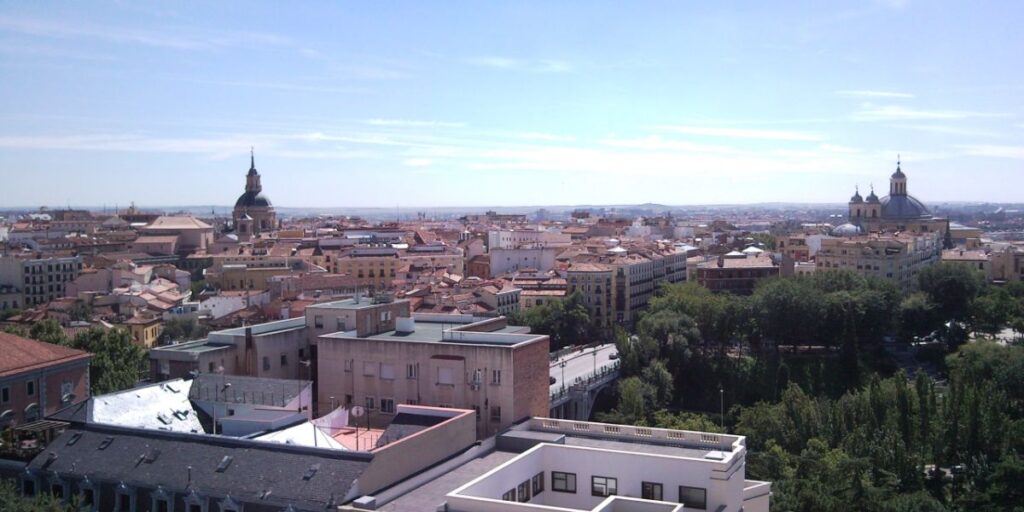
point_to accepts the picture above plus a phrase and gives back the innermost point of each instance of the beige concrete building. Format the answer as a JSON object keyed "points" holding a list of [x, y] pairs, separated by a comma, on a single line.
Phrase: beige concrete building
{"points": [[38, 280], [736, 272], [460, 361], [896, 257], [193, 235]]}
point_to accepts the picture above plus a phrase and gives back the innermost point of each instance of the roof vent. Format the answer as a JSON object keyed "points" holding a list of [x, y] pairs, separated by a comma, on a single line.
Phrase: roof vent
{"points": [[74, 438], [311, 472], [50, 458], [225, 463], [151, 456], [106, 442]]}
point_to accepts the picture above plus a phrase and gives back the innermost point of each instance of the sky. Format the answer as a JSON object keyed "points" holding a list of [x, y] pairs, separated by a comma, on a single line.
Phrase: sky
{"points": [[518, 103]]}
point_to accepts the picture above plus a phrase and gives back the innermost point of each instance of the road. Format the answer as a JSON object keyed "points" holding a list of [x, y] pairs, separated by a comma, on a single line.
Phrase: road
{"points": [[581, 364]]}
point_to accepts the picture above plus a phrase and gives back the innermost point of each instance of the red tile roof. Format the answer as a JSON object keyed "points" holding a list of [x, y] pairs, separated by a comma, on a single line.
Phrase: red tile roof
{"points": [[19, 355]]}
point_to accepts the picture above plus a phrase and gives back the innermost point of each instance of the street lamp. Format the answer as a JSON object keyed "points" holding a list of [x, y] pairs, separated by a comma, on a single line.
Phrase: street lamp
{"points": [[595, 361], [563, 375], [721, 397]]}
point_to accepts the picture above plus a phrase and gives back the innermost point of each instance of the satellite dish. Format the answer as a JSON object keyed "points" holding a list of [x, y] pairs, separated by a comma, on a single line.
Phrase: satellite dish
{"points": [[358, 411]]}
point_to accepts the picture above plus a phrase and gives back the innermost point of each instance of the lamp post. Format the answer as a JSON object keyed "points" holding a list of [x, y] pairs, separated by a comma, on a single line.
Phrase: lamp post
{"points": [[595, 362], [562, 364], [721, 397]]}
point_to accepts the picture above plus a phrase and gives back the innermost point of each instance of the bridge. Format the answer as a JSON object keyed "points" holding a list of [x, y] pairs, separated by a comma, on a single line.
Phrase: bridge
{"points": [[578, 376]]}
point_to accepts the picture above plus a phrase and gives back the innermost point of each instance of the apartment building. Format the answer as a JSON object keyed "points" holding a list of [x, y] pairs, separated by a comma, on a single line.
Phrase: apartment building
{"points": [[596, 283], [735, 272], [372, 267], [515, 238], [498, 370], [40, 280], [898, 257]]}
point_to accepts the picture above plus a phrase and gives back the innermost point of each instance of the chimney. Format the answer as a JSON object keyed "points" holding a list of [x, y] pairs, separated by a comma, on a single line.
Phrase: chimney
{"points": [[721, 261]]}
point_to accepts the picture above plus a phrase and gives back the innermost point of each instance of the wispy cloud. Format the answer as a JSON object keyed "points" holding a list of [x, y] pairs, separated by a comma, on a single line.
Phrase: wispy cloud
{"points": [[874, 94], [1014, 152], [417, 162], [414, 123], [513, 64], [164, 37], [549, 137], [743, 133], [951, 130], [870, 112]]}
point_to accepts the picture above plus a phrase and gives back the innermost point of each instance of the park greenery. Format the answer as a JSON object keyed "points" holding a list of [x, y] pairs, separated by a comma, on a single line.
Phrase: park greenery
{"points": [[804, 368]]}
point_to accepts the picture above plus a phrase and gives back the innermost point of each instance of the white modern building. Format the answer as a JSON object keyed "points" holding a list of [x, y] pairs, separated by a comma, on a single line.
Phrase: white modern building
{"points": [[552, 465]]}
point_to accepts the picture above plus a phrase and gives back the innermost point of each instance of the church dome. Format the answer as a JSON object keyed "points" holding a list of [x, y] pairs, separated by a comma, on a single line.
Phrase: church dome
{"points": [[904, 207], [872, 198], [846, 230], [252, 199], [856, 198]]}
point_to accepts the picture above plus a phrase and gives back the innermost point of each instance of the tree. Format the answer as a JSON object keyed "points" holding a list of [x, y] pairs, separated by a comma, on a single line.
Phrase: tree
{"points": [[567, 322], [182, 329], [952, 288], [918, 317], [12, 501], [117, 362], [48, 330], [993, 311], [635, 398]]}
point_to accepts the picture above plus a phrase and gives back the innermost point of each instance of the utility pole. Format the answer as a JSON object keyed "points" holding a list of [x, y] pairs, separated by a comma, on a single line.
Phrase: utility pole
{"points": [[721, 396]]}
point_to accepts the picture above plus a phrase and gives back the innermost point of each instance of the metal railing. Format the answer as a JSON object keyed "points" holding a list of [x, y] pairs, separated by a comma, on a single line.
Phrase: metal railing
{"points": [[585, 381]]}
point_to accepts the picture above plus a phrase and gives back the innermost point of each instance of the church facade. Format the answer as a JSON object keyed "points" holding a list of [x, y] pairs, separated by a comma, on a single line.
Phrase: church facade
{"points": [[897, 212], [253, 214]]}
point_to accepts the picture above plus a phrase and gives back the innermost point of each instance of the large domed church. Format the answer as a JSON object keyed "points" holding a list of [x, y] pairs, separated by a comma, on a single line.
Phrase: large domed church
{"points": [[253, 214], [898, 211]]}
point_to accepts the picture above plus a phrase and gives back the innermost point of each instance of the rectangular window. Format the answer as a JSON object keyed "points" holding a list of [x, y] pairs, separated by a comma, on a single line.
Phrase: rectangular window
{"points": [[284, 359], [318, 321], [5, 395], [563, 482], [30, 388], [538, 483], [524, 491], [370, 405], [348, 365], [445, 376], [693, 497], [387, 405], [651, 491], [412, 371], [496, 413], [496, 377], [341, 324], [266, 363], [603, 486], [510, 495], [387, 371]]}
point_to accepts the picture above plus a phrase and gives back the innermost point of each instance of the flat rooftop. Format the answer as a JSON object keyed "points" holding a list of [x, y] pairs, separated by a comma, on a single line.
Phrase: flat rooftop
{"points": [[433, 331], [353, 303]]}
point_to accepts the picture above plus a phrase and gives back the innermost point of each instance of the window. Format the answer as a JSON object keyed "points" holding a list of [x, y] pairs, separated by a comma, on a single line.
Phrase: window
{"points": [[444, 376], [693, 497], [266, 363], [495, 377], [284, 359], [348, 365], [412, 371], [341, 324], [370, 403], [369, 369], [57, 490], [385, 316], [563, 482], [524, 491], [603, 486], [509, 495], [124, 503], [496, 413], [387, 405], [538, 483], [318, 321], [651, 491], [88, 497], [5, 395], [387, 371], [30, 388]]}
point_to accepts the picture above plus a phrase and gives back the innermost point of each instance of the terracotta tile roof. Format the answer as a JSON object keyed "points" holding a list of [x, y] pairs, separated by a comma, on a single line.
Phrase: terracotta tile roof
{"points": [[20, 355]]}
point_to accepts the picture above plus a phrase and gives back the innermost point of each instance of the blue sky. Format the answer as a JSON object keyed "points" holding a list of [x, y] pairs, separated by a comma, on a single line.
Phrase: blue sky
{"points": [[508, 103]]}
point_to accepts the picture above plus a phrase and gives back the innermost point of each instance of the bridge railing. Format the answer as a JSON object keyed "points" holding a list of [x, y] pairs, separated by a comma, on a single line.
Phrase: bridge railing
{"points": [[585, 381]]}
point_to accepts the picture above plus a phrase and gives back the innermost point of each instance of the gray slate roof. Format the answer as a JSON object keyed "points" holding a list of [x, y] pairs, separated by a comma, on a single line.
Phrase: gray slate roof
{"points": [[148, 459]]}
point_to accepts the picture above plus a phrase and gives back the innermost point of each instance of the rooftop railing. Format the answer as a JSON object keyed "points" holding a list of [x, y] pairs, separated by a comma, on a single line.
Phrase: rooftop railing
{"points": [[681, 438]]}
